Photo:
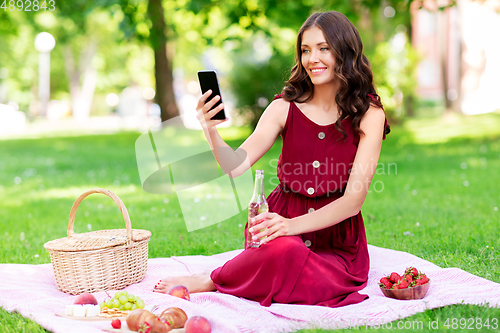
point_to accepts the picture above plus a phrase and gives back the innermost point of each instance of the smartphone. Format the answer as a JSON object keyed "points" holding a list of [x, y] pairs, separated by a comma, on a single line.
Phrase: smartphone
{"points": [[208, 80]]}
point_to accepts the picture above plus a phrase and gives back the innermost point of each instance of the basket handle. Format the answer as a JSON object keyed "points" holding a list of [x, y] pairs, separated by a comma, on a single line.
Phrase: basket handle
{"points": [[110, 194]]}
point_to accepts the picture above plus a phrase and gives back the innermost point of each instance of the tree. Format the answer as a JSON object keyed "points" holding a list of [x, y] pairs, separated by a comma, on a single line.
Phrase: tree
{"points": [[165, 96]]}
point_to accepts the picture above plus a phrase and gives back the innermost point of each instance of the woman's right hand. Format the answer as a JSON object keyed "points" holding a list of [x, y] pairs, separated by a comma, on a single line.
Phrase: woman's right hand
{"points": [[204, 114]]}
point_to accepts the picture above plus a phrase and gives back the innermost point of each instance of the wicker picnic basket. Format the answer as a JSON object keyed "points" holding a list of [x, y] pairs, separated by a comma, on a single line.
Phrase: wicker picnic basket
{"points": [[99, 260]]}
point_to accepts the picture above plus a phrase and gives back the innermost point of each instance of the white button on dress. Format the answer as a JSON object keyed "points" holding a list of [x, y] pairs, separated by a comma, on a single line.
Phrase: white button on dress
{"points": [[316, 164], [310, 191], [310, 210], [321, 135], [308, 243]]}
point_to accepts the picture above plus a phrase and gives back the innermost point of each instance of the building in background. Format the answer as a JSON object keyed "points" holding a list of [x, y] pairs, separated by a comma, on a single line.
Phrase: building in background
{"points": [[460, 49]]}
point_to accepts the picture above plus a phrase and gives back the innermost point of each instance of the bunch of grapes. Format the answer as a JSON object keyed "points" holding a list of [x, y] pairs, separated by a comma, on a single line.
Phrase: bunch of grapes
{"points": [[124, 301]]}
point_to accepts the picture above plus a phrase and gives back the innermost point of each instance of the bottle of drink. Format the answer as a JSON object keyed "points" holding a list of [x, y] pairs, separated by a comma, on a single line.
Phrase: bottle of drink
{"points": [[257, 205]]}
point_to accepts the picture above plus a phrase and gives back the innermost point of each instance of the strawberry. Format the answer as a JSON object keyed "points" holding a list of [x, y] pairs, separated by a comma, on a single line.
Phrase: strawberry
{"points": [[402, 284], [411, 271], [408, 277], [144, 327], [422, 279], [394, 277], [116, 323], [385, 283]]}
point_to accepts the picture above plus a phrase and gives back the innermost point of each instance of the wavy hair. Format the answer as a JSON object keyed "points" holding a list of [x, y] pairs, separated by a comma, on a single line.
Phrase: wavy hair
{"points": [[352, 68]]}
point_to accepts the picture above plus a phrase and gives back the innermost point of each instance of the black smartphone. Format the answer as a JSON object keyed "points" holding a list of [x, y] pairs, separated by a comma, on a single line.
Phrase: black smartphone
{"points": [[208, 80]]}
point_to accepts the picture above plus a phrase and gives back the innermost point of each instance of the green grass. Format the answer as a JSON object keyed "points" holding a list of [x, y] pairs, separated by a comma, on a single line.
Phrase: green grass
{"points": [[435, 195]]}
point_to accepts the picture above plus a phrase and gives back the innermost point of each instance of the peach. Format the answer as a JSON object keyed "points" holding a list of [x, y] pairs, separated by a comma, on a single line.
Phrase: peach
{"points": [[179, 291], [197, 324], [85, 298]]}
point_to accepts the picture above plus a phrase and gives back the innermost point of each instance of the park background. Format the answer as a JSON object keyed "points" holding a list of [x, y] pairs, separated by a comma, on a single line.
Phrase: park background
{"points": [[119, 67]]}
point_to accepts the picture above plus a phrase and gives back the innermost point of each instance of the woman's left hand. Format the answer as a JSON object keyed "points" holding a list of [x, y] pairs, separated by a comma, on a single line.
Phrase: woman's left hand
{"points": [[268, 226]]}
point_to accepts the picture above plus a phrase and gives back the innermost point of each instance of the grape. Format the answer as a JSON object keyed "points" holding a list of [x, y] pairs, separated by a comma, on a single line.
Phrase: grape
{"points": [[116, 303], [124, 301], [108, 303]]}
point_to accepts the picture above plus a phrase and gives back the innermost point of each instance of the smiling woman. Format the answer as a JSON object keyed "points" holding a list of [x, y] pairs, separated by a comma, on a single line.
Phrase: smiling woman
{"points": [[314, 248]]}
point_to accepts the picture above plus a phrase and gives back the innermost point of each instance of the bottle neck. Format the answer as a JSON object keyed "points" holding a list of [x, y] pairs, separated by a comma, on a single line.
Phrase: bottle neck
{"points": [[258, 189]]}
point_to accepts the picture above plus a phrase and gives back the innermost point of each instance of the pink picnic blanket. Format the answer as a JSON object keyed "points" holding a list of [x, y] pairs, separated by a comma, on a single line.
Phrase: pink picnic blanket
{"points": [[31, 290]]}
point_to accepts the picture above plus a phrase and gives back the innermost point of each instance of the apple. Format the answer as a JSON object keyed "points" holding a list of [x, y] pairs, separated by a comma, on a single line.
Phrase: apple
{"points": [[85, 298], [179, 291], [197, 324]]}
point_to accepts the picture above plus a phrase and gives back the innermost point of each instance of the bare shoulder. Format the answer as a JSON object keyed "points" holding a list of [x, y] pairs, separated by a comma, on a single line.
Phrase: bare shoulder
{"points": [[373, 120], [277, 111]]}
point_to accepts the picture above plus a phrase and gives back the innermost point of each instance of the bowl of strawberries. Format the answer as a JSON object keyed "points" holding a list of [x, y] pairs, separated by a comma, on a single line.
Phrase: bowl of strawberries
{"points": [[411, 285]]}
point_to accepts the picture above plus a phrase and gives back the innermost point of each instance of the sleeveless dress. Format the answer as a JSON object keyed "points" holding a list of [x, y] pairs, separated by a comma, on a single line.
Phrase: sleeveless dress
{"points": [[326, 267]]}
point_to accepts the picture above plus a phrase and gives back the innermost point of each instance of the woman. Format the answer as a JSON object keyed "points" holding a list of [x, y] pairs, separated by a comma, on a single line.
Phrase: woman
{"points": [[332, 123]]}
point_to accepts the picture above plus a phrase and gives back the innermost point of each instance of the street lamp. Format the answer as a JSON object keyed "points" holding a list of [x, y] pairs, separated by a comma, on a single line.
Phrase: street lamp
{"points": [[44, 43]]}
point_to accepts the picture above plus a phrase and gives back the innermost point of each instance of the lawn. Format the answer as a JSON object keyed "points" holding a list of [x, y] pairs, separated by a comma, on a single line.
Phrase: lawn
{"points": [[435, 195]]}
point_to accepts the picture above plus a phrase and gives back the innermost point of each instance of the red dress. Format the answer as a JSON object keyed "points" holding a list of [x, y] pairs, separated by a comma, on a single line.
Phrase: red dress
{"points": [[326, 267]]}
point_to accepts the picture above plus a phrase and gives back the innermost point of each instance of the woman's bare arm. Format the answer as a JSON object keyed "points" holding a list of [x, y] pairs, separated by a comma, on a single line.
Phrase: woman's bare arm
{"points": [[255, 146]]}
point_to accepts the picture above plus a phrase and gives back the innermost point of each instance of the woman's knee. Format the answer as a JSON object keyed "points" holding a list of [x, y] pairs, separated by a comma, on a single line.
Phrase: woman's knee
{"points": [[284, 245]]}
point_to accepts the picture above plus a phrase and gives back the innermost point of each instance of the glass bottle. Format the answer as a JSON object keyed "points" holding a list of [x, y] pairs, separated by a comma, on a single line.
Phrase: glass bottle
{"points": [[257, 205]]}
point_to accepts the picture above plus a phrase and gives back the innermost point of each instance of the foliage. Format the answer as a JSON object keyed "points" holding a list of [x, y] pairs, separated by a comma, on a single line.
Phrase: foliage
{"points": [[194, 28], [394, 68]]}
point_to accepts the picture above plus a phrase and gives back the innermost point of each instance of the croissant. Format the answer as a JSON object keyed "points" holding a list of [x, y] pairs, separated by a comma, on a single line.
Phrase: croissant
{"points": [[154, 325], [138, 316], [175, 317]]}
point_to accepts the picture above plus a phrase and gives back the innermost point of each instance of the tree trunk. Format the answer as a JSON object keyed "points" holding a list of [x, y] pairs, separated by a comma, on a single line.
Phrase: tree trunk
{"points": [[165, 96]]}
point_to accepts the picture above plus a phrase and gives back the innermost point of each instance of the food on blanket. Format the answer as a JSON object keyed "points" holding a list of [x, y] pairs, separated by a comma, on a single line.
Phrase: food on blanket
{"points": [[179, 291], [402, 284], [122, 300], [175, 317], [82, 310], [136, 317], [85, 298], [394, 277], [145, 321], [116, 323], [156, 325], [421, 279], [411, 271], [408, 278], [411, 285], [384, 282], [111, 313], [197, 324], [144, 327]]}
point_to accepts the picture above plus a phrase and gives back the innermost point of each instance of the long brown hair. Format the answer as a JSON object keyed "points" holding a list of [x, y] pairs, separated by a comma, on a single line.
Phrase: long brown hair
{"points": [[352, 68]]}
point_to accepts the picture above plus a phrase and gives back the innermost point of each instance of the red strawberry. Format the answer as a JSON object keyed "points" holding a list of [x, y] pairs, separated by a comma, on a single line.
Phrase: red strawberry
{"points": [[402, 284], [385, 283], [116, 323], [408, 278], [411, 271], [422, 279], [144, 327], [394, 277]]}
